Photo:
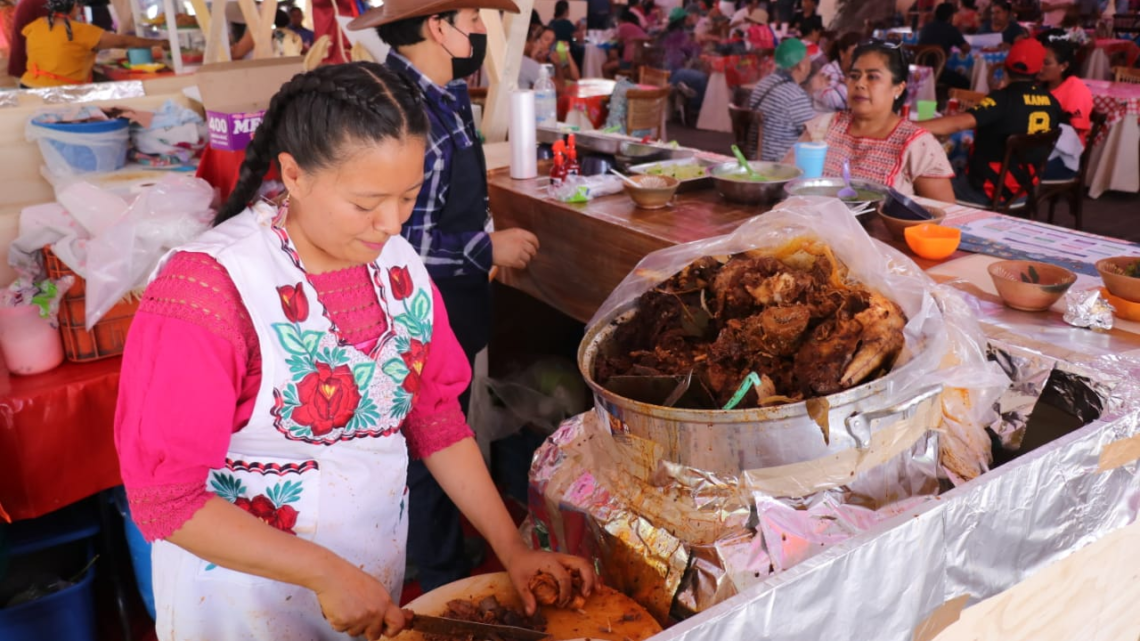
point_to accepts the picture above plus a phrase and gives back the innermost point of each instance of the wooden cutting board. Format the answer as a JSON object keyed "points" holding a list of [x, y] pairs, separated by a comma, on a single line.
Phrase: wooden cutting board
{"points": [[608, 616]]}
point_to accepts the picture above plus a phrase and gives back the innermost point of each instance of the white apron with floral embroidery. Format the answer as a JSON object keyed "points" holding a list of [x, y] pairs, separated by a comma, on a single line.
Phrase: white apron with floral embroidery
{"points": [[322, 456]]}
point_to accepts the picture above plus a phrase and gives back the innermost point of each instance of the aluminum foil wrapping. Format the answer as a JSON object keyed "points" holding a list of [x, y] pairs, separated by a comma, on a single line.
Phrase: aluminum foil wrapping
{"points": [[9, 99], [1088, 308], [767, 567], [90, 92]]}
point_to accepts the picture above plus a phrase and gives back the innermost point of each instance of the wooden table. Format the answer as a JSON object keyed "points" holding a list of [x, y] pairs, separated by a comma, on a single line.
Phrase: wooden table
{"points": [[587, 249], [609, 235]]}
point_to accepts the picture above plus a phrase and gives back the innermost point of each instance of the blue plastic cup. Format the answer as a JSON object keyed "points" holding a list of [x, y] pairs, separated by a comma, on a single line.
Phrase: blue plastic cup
{"points": [[810, 157]]}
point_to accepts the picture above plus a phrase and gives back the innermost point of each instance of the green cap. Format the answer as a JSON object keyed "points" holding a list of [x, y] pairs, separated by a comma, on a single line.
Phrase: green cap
{"points": [[678, 13], [790, 53]]}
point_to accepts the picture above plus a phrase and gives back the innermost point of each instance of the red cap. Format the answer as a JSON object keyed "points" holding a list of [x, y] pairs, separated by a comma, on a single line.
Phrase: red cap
{"points": [[1026, 57]]}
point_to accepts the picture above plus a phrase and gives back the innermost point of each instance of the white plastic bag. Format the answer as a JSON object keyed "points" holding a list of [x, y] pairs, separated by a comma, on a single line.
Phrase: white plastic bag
{"points": [[171, 213], [944, 343]]}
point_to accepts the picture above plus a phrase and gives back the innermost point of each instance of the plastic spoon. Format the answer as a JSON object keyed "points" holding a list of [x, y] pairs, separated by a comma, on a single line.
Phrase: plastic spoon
{"points": [[744, 162], [847, 192], [626, 179]]}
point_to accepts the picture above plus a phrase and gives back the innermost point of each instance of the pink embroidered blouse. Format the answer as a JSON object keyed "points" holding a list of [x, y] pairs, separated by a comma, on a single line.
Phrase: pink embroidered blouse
{"points": [[191, 372]]}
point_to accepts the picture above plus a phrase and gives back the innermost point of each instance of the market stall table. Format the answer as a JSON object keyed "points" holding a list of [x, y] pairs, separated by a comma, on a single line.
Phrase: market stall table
{"points": [[57, 445], [1115, 161]]}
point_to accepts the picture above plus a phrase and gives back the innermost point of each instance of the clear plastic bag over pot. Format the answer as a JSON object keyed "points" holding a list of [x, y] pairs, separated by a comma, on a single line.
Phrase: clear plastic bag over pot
{"points": [[944, 343]]}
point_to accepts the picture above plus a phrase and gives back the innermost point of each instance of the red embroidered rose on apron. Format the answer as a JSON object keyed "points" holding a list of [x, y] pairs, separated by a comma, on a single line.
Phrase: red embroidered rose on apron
{"points": [[328, 399]]}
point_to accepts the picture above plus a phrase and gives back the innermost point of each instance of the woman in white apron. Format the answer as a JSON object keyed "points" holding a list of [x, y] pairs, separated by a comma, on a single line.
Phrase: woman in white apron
{"points": [[279, 371]]}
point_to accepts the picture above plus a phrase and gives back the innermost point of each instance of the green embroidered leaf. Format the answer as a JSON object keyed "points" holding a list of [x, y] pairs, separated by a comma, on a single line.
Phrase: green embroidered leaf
{"points": [[362, 373], [290, 492], [401, 404], [403, 344], [289, 395], [272, 494], [211, 566], [396, 369], [421, 306], [311, 340], [299, 367], [415, 329], [298, 430], [290, 338], [227, 486]]}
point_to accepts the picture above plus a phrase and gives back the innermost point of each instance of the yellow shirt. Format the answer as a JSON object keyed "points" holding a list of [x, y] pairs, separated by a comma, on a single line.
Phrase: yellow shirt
{"points": [[60, 61]]}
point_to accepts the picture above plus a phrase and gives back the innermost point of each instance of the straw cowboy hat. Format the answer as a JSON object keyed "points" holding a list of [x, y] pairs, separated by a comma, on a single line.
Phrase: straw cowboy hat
{"points": [[396, 10], [758, 16]]}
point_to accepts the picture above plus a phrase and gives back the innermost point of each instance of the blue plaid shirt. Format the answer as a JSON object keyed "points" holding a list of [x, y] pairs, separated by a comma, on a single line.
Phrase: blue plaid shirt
{"points": [[447, 255]]}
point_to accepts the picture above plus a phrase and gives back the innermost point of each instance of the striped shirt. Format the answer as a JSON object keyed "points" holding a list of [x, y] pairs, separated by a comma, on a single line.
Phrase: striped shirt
{"points": [[786, 108], [446, 254]]}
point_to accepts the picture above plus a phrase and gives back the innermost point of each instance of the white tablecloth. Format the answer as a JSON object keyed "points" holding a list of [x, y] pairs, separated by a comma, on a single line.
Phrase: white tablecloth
{"points": [[594, 56], [714, 110], [1097, 67]]}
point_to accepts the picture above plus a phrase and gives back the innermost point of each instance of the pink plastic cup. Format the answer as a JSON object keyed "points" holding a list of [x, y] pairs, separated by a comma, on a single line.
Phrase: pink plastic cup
{"points": [[30, 345]]}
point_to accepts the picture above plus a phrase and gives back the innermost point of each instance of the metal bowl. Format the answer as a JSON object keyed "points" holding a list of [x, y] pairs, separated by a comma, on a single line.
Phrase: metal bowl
{"points": [[728, 178], [871, 194]]}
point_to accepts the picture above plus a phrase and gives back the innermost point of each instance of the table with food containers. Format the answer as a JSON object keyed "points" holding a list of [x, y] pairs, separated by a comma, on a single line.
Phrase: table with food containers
{"points": [[827, 419]]}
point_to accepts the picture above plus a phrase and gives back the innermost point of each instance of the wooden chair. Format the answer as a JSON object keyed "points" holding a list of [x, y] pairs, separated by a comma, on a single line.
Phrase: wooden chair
{"points": [[1018, 150], [1127, 74], [966, 99], [931, 56], [747, 128], [653, 77], [1074, 189], [645, 109], [641, 55], [1126, 26]]}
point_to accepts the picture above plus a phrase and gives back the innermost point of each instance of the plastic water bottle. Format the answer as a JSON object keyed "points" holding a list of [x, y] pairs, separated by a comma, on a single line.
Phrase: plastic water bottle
{"points": [[545, 98]]}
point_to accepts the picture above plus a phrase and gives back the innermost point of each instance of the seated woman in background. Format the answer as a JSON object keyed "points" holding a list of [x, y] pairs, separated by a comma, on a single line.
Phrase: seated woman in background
{"points": [[1059, 76], [629, 35], [882, 146], [61, 50], [681, 50], [547, 51], [832, 96]]}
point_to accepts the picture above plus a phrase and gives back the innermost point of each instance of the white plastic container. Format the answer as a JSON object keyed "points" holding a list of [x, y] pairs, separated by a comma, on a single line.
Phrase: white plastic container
{"points": [[29, 344]]}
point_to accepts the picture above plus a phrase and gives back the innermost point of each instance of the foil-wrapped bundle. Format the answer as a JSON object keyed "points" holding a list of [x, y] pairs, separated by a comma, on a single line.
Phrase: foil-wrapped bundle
{"points": [[1088, 308]]}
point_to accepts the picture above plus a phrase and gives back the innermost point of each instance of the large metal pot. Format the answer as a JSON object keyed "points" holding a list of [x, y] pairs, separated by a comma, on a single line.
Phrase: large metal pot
{"points": [[728, 178], [729, 442]]}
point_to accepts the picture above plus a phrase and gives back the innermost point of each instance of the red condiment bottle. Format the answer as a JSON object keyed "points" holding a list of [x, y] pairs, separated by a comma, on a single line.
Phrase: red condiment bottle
{"points": [[572, 166], [558, 172]]}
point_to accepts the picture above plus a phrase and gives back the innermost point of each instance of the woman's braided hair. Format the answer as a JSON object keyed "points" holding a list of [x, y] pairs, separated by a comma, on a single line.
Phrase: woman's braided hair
{"points": [[317, 114], [62, 7]]}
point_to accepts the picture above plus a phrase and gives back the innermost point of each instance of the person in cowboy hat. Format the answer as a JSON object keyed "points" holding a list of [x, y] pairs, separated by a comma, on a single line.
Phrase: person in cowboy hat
{"points": [[435, 45]]}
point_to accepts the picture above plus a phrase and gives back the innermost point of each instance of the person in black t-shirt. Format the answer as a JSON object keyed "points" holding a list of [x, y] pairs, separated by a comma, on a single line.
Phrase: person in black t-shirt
{"points": [[941, 32], [562, 26], [803, 23], [1023, 107]]}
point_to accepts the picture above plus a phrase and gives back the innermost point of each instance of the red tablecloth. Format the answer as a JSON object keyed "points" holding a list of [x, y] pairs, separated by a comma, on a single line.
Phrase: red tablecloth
{"points": [[1114, 45], [57, 437], [740, 70]]}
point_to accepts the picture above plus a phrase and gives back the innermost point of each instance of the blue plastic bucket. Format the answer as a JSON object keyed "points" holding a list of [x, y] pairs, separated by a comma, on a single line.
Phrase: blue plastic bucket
{"points": [[140, 552], [84, 147], [67, 614]]}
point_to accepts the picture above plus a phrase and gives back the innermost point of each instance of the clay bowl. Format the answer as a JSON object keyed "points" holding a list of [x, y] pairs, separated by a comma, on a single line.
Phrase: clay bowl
{"points": [[1119, 285], [897, 226], [1030, 286], [932, 242], [652, 197]]}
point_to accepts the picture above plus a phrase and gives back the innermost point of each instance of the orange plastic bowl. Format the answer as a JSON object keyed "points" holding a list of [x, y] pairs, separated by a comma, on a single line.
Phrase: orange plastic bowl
{"points": [[933, 242]]}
